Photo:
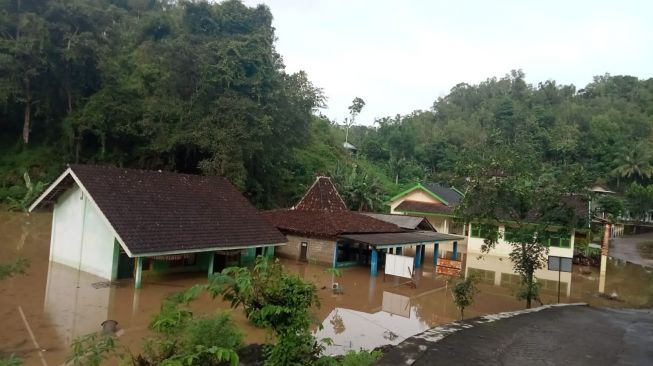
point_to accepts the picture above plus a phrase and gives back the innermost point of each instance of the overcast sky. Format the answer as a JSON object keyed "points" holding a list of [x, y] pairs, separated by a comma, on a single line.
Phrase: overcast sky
{"points": [[402, 55]]}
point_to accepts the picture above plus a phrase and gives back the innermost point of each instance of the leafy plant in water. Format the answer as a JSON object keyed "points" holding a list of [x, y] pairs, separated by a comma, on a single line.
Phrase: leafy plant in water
{"points": [[180, 339], [11, 361], [92, 349], [31, 192], [351, 358], [277, 301], [12, 269], [463, 292]]}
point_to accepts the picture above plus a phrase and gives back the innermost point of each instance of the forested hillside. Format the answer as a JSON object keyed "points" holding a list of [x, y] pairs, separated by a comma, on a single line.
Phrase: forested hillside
{"points": [[198, 87]]}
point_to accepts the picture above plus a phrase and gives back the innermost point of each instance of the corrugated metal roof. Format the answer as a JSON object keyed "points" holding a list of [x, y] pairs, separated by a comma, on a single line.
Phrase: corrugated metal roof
{"points": [[448, 194], [415, 237], [403, 221]]}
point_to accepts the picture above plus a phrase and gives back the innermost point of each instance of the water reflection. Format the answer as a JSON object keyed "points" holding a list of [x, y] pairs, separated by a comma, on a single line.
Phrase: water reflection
{"points": [[72, 304], [499, 271], [61, 303]]}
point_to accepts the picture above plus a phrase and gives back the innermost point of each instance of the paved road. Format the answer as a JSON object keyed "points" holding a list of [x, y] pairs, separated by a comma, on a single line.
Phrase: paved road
{"points": [[626, 248], [570, 335]]}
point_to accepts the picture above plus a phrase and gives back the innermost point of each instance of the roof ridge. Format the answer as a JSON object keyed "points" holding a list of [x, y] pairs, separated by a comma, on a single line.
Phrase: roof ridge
{"points": [[140, 170]]}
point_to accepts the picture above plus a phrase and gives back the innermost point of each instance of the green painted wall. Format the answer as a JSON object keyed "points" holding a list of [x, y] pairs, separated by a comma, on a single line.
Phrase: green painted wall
{"points": [[248, 257]]}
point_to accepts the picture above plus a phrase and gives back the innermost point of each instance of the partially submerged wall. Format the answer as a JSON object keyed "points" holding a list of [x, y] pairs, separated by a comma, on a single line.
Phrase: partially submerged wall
{"points": [[318, 250], [80, 237]]}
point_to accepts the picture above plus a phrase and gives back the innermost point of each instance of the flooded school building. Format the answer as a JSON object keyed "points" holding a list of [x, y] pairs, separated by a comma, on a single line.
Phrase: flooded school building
{"points": [[110, 243]]}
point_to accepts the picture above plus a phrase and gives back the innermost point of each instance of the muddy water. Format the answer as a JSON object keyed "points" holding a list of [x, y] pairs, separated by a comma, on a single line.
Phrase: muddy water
{"points": [[60, 303]]}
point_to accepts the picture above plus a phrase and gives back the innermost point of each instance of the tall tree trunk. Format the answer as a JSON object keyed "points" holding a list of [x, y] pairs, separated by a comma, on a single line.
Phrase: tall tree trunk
{"points": [[27, 112]]}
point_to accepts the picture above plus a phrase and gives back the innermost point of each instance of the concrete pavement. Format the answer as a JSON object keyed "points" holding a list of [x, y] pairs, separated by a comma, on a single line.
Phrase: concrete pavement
{"points": [[625, 248], [557, 335]]}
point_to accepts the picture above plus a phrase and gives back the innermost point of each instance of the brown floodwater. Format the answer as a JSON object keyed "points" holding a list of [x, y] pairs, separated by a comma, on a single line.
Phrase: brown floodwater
{"points": [[45, 309]]}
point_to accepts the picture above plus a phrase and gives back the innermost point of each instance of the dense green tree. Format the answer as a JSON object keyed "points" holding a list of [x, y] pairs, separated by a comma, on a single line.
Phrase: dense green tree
{"points": [[535, 204]]}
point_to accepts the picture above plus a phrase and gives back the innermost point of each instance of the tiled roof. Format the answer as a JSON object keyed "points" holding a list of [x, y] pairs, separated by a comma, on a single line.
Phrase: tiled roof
{"points": [[158, 212], [446, 193], [424, 207], [322, 196], [327, 223]]}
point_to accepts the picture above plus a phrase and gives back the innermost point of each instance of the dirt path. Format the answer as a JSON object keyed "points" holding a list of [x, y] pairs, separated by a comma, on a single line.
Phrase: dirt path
{"points": [[569, 335], [626, 248]]}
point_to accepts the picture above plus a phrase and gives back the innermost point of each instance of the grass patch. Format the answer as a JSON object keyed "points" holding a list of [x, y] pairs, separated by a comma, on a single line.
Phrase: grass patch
{"points": [[645, 249]]}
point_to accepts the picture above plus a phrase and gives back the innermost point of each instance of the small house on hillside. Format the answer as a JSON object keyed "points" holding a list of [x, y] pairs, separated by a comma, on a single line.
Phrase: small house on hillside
{"points": [[433, 201], [120, 223], [321, 229]]}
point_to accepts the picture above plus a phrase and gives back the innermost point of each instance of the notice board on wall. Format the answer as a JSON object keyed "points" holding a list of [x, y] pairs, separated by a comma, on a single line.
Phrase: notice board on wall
{"points": [[399, 265], [449, 267]]}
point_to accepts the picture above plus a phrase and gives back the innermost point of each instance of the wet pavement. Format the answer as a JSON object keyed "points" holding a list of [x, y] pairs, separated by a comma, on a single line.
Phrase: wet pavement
{"points": [[569, 335], [625, 248], [44, 310]]}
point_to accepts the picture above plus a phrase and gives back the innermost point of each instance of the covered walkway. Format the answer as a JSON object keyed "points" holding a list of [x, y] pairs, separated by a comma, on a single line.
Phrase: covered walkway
{"points": [[356, 249]]}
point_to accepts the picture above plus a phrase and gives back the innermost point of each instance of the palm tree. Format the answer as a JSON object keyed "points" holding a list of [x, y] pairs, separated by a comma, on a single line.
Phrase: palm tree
{"points": [[359, 189], [633, 164]]}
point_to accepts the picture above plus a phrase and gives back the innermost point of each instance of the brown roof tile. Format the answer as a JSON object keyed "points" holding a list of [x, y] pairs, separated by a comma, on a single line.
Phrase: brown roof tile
{"points": [[322, 196], [327, 223], [424, 207], [156, 212]]}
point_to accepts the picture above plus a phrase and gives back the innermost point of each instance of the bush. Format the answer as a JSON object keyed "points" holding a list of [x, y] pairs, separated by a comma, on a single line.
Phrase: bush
{"points": [[280, 302], [463, 294], [11, 361], [351, 358], [215, 331]]}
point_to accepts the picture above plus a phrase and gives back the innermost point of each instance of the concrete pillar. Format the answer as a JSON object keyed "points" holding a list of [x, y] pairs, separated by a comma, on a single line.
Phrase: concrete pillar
{"points": [[335, 255], [454, 255], [436, 253], [374, 264], [418, 256], [139, 272], [212, 261]]}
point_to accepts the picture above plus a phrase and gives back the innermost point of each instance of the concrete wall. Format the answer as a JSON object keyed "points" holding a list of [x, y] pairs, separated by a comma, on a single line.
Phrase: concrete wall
{"points": [[318, 251], [81, 239], [503, 248]]}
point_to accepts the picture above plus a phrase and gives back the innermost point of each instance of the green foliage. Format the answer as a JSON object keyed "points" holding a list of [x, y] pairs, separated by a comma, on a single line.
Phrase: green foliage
{"points": [[92, 349], [11, 361], [612, 206], [32, 191], [99, 82], [639, 200], [351, 358], [535, 201], [463, 292], [278, 301], [12, 269], [360, 190], [337, 272], [179, 339]]}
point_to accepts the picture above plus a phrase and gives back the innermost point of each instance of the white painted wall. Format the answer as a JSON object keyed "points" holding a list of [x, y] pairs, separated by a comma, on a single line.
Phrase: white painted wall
{"points": [[98, 241], [416, 195], [80, 237], [66, 241], [503, 248]]}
